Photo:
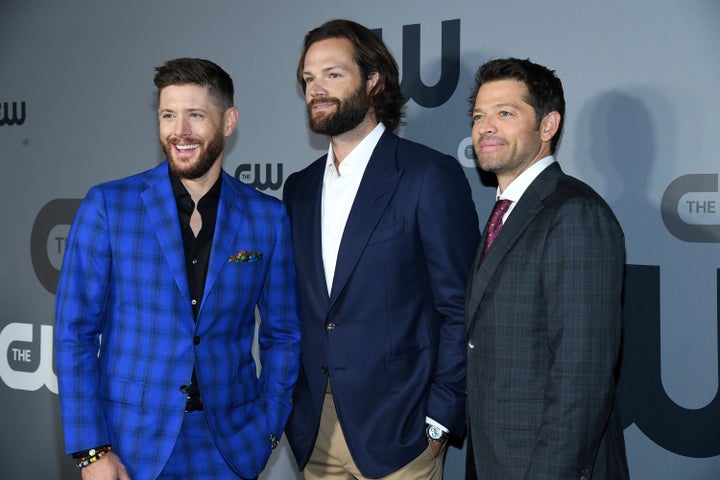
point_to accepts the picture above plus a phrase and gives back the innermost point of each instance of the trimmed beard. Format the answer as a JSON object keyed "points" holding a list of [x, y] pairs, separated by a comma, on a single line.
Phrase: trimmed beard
{"points": [[349, 113], [208, 156]]}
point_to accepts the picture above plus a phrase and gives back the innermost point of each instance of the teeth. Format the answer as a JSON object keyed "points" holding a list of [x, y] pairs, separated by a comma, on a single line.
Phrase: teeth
{"points": [[186, 147]]}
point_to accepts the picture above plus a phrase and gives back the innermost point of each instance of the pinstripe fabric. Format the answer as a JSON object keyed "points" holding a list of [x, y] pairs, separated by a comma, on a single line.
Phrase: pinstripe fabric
{"points": [[124, 278], [544, 323]]}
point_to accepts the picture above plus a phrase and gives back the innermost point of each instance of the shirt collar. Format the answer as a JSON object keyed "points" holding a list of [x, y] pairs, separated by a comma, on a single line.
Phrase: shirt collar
{"points": [[181, 192], [358, 158], [518, 186]]}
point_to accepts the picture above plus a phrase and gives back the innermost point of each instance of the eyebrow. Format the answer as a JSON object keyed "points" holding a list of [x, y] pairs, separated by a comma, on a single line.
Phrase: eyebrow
{"points": [[500, 105]]}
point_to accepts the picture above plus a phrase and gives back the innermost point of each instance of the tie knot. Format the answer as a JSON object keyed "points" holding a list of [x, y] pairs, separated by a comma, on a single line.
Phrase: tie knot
{"points": [[501, 206]]}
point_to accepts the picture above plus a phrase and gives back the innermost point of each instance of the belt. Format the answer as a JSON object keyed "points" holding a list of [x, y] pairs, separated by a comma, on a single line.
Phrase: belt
{"points": [[193, 404]]}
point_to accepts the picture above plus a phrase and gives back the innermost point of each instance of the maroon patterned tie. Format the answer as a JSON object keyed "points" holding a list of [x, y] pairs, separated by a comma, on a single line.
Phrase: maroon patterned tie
{"points": [[495, 223]]}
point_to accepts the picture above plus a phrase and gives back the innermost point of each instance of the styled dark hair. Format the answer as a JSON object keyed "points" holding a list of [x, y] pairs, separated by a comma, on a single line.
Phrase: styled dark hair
{"points": [[197, 71], [545, 90], [371, 55]]}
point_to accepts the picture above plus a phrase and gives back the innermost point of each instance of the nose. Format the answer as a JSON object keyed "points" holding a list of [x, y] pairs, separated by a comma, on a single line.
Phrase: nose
{"points": [[316, 90], [484, 126], [182, 126]]}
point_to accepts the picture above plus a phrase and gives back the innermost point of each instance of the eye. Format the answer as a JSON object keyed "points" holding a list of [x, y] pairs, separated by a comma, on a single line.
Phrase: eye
{"points": [[505, 113], [477, 117], [166, 115], [308, 80]]}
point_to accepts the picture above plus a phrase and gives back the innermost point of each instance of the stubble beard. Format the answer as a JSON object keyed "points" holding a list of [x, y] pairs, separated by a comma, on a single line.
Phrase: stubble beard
{"points": [[193, 170]]}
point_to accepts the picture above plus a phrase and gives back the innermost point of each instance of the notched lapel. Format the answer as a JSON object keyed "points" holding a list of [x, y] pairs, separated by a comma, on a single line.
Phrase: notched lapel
{"points": [[231, 216], [376, 190], [307, 201], [529, 206], [159, 201]]}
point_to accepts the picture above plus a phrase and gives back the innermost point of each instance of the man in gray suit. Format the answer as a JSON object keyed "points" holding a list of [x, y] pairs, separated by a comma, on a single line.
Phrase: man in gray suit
{"points": [[544, 314]]}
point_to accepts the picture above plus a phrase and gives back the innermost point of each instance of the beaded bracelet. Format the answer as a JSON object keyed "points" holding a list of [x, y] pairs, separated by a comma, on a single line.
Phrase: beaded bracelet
{"points": [[97, 454]]}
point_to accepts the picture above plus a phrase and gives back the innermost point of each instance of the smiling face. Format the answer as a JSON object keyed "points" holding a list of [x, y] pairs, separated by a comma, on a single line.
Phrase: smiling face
{"points": [[506, 135], [337, 97], [193, 129]]}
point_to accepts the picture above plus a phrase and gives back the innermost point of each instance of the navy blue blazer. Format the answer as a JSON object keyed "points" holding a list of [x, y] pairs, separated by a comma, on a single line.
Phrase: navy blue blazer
{"points": [[390, 336]]}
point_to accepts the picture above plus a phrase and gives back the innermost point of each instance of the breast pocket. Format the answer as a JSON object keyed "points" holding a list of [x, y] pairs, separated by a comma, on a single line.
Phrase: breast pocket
{"points": [[386, 232]]}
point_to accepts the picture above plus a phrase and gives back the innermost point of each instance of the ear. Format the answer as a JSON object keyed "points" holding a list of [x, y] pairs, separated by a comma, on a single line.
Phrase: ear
{"points": [[372, 87], [230, 120], [549, 126]]}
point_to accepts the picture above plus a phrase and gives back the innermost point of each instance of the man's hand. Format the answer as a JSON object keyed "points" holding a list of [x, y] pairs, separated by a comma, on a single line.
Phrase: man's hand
{"points": [[437, 447], [109, 467]]}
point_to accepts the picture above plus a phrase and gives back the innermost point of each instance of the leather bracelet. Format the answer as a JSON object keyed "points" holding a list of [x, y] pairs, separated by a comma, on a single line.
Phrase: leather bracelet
{"points": [[95, 455]]}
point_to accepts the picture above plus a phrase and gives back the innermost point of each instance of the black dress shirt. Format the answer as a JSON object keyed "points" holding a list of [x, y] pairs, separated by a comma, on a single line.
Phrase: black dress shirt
{"points": [[197, 249]]}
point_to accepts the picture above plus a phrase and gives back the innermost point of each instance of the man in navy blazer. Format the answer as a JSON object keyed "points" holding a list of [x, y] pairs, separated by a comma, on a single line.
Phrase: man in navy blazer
{"points": [[544, 303], [384, 231], [156, 303]]}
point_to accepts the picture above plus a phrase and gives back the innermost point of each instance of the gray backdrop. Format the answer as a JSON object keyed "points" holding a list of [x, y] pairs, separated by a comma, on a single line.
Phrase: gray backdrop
{"points": [[641, 81]]}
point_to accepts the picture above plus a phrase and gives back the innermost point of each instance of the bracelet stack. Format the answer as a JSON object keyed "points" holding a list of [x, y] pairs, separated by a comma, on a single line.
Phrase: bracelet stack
{"points": [[93, 455]]}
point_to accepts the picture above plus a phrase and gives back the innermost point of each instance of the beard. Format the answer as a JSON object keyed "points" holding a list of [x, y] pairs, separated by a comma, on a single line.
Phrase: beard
{"points": [[349, 113], [208, 155]]}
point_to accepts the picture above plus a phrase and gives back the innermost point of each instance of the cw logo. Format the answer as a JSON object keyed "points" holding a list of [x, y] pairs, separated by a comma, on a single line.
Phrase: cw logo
{"points": [[250, 175], [16, 343], [412, 85], [13, 119], [691, 208]]}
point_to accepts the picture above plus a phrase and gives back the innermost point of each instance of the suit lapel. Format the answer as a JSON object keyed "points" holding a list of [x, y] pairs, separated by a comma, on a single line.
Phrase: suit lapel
{"points": [[309, 235], [376, 190], [159, 201], [529, 206], [232, 213]]}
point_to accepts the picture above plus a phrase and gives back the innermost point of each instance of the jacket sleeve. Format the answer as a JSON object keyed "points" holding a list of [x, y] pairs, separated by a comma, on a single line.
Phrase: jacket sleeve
{"points": [[82, 292], [449, 231], [583, 271], [279, 333]]}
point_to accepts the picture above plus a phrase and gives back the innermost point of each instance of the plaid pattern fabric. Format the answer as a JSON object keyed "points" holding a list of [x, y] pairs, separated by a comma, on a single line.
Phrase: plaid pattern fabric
{"points": [[123, 278], [544, 325]]}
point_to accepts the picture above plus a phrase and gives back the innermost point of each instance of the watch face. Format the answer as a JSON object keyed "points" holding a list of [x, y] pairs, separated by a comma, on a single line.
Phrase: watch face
{"points": [[434, 432]]}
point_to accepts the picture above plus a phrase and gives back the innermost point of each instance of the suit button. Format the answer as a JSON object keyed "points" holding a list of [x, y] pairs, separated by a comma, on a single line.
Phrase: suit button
{"points": [[184, 389], [471, 344], [324, 369], [196, 340], [330, 326]]}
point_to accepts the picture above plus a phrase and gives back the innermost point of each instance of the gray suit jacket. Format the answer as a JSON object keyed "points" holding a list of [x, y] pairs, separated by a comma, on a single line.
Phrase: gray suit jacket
{"points": [[544, 325]]}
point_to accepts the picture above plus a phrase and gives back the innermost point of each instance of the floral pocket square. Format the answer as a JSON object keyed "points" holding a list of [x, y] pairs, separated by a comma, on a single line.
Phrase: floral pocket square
{"points": [[245, 256]]}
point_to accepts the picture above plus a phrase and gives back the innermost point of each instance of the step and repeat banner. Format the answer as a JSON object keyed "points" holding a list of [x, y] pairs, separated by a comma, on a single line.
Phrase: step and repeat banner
{"points": [[77, 107]]}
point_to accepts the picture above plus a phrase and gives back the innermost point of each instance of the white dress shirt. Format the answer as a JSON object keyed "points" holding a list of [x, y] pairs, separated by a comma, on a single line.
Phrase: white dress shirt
{"points": [[517, 187], [340, 186]]}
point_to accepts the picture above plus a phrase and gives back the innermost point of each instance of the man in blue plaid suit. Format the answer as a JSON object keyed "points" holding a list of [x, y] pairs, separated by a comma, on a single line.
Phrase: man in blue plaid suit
{"points": [[156, 303], [544, 302]]}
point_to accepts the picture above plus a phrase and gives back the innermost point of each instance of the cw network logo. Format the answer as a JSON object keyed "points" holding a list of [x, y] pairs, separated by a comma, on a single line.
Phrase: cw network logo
{"points": [[251, 174], [9, 113], [690, 208], [25, 362]]}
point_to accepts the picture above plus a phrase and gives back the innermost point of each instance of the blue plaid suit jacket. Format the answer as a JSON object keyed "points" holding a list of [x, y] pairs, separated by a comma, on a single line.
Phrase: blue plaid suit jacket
{"points": [[126, 340], [544, 321]]}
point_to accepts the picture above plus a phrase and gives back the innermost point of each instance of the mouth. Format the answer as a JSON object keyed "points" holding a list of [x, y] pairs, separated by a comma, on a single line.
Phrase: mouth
{"points": [[489, 145], [187, 147], [321, 105]]}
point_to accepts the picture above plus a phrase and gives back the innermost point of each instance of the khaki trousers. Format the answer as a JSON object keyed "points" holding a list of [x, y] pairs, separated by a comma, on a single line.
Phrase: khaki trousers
{"points": [[331, 459]]}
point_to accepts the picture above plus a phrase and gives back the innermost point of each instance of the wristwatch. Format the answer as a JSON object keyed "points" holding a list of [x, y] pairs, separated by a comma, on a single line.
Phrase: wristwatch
{"points": [[435, 433]]}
